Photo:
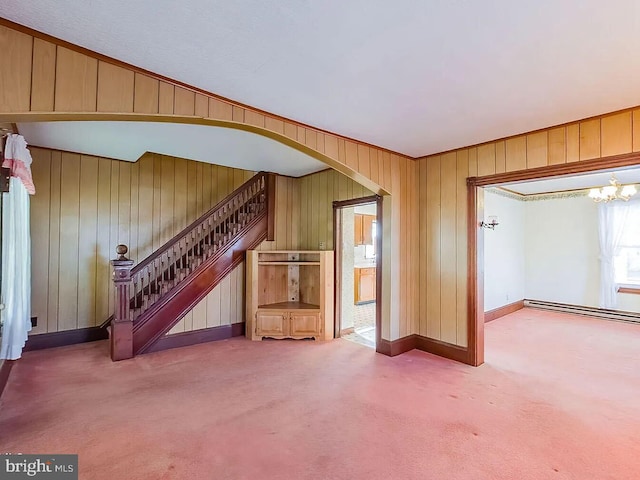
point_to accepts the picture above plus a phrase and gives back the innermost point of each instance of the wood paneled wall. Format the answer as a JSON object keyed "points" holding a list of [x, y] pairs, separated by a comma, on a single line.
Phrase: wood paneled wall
{"points": [[443, 204], [85, 206], [317, 194]]}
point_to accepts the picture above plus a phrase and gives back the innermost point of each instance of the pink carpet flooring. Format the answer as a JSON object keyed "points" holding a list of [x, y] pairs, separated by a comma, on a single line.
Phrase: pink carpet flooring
{"points": [[559, 398]]}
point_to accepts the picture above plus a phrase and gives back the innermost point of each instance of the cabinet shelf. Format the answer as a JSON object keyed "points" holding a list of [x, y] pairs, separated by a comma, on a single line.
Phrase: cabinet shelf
{"points": [[289, 294], [289, 306], [287, 263]]}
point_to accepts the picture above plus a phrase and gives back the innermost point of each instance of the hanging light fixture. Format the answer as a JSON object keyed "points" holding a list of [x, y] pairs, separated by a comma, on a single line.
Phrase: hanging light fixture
{"points": [[613, 191]]}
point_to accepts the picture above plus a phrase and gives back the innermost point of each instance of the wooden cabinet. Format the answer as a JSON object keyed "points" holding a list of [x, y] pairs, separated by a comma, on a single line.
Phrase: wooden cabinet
{"points": [[363, 229], [364, 285], [289, 294]]}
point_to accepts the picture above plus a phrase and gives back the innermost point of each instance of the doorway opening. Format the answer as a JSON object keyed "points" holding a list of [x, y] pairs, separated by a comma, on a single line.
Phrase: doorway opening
{"points": [[483, 213], [358, 261]]}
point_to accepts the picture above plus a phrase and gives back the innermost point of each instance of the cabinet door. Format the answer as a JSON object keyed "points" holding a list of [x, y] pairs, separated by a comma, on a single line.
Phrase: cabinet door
{"points": [[367, 229], [357, 229], [272, 324], [367, 285], [305, 324]]}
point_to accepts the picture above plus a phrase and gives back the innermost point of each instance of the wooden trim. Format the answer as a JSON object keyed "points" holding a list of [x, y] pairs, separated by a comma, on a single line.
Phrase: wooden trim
{"points": [[626, 160], [379, 225], [631, 290], [271, 207], [194, 337], [443, 349], [355, 201], [332, 162], [67, 337], [502, 311], [391, 348], [425, 344], [104, 58], [475, 276], [337, 231], [5, 371], [347, 331], [475, 234], [337, 283]]}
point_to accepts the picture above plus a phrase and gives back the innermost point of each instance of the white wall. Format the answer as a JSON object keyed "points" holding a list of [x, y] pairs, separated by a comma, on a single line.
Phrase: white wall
{"points": [[545, 249], [504, 251], [562, 251]]}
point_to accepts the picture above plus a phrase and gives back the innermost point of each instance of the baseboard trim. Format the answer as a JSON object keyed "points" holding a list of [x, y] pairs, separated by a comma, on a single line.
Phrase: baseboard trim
{"points": [[391, 348], [67, 337], [5, 370], [429, 345], [620, 315], [443, 349], [502, 311], [197, 336]]}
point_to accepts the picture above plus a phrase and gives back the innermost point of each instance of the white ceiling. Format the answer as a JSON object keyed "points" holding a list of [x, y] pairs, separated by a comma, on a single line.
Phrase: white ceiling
{"points": [[414, 76], [130, 140], [575, 182]]}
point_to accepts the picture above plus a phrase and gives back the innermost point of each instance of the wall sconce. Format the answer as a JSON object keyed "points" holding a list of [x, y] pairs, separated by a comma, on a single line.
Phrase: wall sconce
{"points": [[492, 223]]}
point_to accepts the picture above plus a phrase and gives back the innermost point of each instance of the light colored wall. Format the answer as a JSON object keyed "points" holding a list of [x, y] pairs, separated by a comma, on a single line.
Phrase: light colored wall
{"points": [[348, 261], [562, 251], [504, 252]]}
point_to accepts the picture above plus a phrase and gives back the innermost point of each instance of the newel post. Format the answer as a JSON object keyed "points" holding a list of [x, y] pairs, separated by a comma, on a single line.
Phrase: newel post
{"points": [[271, 206], [122, 323]]}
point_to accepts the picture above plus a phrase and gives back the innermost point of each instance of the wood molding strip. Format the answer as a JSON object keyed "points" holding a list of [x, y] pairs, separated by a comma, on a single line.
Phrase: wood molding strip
{"points": [[5, 371], [119, 63], [502, 311], [625, 160], [355, 201], [64, 338], [198, 336], [425, 344], [633, 291]]}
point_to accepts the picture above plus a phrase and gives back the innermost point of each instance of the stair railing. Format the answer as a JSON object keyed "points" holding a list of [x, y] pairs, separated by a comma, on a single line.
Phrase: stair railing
{"points": [[140, 288]]}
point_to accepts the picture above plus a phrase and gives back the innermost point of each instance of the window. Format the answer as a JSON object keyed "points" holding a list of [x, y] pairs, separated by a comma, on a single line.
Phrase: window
{"points": [[627, 259]]}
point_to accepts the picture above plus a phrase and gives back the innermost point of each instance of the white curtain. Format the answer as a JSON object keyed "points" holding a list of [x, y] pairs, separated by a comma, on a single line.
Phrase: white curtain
{"points": [[611, 220], [16, 250]]}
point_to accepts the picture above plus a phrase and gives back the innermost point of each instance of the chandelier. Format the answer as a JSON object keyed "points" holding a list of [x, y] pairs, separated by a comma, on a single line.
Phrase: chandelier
{"points": [[613, 191]]}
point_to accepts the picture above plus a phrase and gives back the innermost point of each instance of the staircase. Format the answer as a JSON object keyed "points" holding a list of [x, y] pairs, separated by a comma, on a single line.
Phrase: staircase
{"points": [[155, 294]]}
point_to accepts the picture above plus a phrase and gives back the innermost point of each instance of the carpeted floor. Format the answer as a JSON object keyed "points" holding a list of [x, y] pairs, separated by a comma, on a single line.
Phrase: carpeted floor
{"points": [[559, 398]]}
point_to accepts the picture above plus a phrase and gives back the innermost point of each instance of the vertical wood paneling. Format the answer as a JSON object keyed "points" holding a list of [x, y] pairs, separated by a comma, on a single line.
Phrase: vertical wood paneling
{"points": [[69, 230], [44, 75], [501, 160], [146, 94], [115, 88], [573, 142], [616, 134], [86, 205], [516, 150], [76, 82], [184, 102], [636, 130], [537, 149], [40, 233], [87, 259], [15, 74], [432, 256], [557, 146], [202, 106], [54, 245], [220, 110], [448, 271], [462, 167], [487, 159], [165, 98], [590, 139]]}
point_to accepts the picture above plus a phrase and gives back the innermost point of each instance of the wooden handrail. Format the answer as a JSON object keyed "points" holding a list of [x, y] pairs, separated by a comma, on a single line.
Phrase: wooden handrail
{"points": [[199, 220], [142, 289]]}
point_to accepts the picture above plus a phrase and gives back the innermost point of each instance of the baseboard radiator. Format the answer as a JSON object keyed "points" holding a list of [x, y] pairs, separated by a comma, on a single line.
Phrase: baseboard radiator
{"points": [[582, 310]]}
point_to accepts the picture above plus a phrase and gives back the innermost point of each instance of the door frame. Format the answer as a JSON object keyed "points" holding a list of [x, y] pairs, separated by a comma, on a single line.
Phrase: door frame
{"points": [[338, 205], [475, 233]]}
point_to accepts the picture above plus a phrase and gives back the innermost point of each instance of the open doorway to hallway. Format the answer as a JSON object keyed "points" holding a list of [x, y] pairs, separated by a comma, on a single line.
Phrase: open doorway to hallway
{"points": [[357, 255]]}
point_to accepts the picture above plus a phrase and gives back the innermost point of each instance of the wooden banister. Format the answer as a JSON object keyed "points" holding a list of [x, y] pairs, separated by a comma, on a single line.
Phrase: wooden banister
{"points": [[142, 291]]}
